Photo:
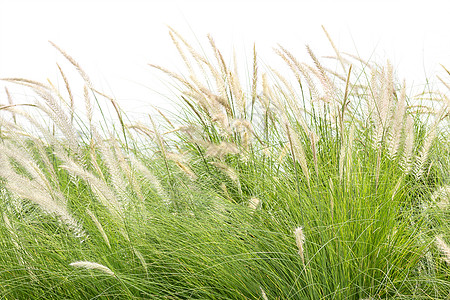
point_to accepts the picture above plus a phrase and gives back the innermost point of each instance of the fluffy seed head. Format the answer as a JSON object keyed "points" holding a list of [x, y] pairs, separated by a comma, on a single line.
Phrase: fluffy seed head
{"points": [[92, 266], [300, 240], [254, 203], [444, 248]]}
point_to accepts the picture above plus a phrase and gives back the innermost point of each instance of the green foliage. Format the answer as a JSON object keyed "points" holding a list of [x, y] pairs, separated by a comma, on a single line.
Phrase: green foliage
{"points": [[319, 186]]}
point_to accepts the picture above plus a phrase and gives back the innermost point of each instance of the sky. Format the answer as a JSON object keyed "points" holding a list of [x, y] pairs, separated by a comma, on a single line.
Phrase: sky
{"points": [[114, 41]]}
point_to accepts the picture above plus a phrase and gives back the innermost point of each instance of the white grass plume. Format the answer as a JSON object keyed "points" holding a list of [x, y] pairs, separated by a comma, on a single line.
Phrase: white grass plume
{"points": [[100, 188], [254, 203], [99, 227], [298, 153], [92, 266], [300, 240], [35, 187], [408, 147], [397, 123], [263, 294], [444, 248], [75, 64]]}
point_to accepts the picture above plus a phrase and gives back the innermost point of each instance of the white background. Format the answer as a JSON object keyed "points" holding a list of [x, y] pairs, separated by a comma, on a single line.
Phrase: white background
{"points": [[115, 40]]}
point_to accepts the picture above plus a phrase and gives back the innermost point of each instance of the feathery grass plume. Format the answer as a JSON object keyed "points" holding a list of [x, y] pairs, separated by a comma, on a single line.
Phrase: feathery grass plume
{"points": [[254, 203], [226, 169], [423, 155], [19, 248], [394, 136], [222, 121], [254, 76], [88, 104], [56, 112], [199, 58], [301, 68], [188, 171], [242, 125], [219, 58], [224, 189], [245, 129], [36, 189], [125, 168], [99, 187], [300, 240], [182, 54], [59, 117], [217, 99], [151, 178], [48, 164], [442, 193], [267, 94], [92, 266], [75, 64], [111, 162], [380, 101], [408, 145], [291, 104], [263, 294], [69, 91], [173, 75], [142, 129], [219, 77], [345, 103], [298, 154], [220, 83], [338, 54], [99, 227], [202, 101], [444, 248], [11, 103], [27, 83], [221, 149], [297, 68], [323, 77], [236, 89], [141, 259]]}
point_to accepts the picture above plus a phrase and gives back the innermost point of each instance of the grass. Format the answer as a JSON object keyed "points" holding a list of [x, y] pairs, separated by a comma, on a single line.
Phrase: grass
{"points": [[307, 183]]}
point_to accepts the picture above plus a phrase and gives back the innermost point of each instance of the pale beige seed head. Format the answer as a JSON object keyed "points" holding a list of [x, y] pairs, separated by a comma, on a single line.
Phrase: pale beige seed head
{"points": [[444, 248], [92, 266], [300, 240], [263, 294], [254, 203]]}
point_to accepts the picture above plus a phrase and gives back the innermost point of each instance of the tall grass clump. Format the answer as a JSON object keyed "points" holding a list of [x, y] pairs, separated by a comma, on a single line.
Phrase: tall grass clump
{"points": [[312, 182]]}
